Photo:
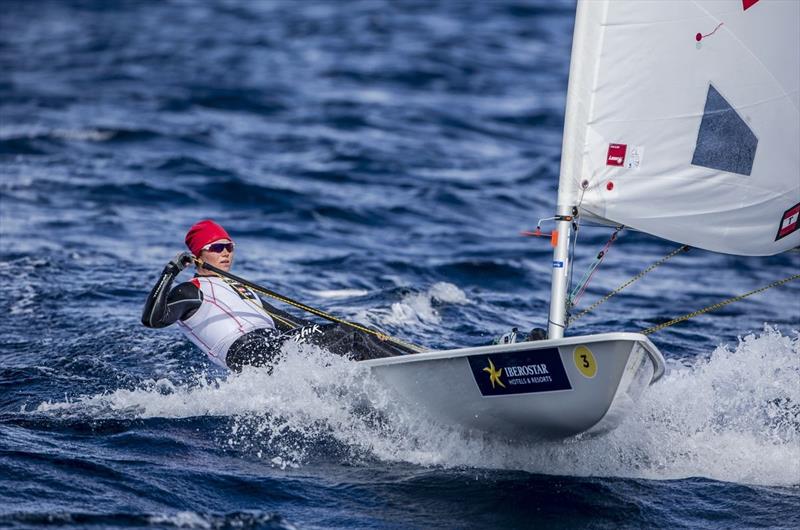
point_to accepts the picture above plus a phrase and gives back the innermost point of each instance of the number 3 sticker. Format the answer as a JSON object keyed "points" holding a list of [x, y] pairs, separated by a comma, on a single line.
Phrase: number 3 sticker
{"points": [[584, 361]]}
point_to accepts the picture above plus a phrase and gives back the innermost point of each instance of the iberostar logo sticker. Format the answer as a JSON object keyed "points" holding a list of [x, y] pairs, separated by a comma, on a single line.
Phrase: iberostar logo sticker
{"points": [[524, 371], [494, 374]]}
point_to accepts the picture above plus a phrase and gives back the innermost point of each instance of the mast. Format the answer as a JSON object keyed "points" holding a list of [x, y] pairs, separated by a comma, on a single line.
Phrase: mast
{"points": [[559, 284], [583, 61]]}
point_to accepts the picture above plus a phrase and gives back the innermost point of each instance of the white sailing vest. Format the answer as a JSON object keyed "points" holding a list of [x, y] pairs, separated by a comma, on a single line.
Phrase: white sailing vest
{"points": [[227, 312]]}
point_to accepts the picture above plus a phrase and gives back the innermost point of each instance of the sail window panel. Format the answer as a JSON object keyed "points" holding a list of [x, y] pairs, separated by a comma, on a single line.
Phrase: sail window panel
{"points": [[724, 141]]}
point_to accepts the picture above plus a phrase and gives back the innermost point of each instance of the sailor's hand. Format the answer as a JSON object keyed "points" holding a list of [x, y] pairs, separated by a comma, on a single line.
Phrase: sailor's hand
{"points": [[182, 260]]}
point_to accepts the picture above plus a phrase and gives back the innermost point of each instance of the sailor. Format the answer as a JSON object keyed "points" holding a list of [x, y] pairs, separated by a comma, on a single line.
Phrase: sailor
{"points": [[232, 325]]}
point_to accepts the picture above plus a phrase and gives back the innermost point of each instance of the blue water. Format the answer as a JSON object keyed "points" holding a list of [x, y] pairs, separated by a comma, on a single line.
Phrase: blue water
{"points": [[377, 159]]}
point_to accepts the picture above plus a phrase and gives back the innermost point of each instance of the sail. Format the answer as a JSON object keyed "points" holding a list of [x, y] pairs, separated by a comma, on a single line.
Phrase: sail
{"points": [[682, 121]]}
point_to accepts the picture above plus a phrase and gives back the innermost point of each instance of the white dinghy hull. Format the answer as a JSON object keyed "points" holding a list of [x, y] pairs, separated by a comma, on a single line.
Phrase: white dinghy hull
{"points": [[545, 389]]}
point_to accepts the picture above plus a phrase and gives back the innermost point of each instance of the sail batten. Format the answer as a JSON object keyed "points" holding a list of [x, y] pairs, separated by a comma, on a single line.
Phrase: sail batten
{"points": [[682, 121]]}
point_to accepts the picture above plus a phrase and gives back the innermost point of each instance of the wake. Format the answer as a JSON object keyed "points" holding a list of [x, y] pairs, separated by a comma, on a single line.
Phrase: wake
{"points": [[733, 415]]}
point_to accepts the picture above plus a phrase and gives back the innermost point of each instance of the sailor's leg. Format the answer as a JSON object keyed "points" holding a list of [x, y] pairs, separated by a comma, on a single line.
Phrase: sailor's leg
{"points": [[256, 348], [334, 338], [344, 340]]}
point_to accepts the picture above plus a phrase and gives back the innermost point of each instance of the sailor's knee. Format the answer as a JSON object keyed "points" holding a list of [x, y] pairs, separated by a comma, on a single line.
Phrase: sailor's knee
{"points": [[238, 359]]}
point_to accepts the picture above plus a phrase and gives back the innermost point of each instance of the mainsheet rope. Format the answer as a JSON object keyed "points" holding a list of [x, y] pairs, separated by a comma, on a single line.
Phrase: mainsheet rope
{"points": [[723, 303], [258, 307], [263, 290], [682, 318]]}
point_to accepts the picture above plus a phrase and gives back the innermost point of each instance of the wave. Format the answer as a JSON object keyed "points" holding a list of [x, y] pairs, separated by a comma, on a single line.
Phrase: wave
{"points": [[732, 416], [179, 519], [74, 134], [417, 308]]}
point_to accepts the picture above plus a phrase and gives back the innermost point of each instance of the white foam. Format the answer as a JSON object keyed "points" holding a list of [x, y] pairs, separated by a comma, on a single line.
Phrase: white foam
{"points": [[187, 519], [341, 293], [83, 135], [182, 520], [34, 131], [448, 293], [418, 308], [733, 416]]}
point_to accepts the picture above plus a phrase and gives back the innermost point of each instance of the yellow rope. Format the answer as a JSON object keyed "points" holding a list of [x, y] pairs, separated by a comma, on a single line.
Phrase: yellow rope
{"points": [[674, 321], [663, 260], [319, 313], [258, 306]]}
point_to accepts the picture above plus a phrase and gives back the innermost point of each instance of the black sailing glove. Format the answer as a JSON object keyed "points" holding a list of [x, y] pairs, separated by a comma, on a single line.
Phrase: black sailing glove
{"points": [[181, 261]]}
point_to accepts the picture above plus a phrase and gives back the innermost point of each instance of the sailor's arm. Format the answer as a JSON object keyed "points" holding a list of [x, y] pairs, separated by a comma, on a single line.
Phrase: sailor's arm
{"points": [[165, 306]]}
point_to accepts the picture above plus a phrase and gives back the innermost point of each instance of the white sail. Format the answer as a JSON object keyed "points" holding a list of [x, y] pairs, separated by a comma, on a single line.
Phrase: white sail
{"points": [[682, 121]]}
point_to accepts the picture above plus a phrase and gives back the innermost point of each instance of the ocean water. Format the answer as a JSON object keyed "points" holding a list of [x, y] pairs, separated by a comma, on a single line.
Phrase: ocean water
{"points": [[377, 159]]}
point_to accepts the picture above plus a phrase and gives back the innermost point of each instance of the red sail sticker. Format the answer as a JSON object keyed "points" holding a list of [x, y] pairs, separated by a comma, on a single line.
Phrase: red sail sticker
{"points": [[747, 4], [789, 221], [616, 154]]}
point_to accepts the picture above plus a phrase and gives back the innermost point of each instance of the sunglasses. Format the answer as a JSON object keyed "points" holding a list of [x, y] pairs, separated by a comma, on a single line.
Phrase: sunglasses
{"points": [[216, 248]]}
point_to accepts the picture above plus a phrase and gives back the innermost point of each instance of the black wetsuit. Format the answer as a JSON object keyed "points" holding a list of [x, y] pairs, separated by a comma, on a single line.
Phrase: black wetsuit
{"points": [[165, 306]]}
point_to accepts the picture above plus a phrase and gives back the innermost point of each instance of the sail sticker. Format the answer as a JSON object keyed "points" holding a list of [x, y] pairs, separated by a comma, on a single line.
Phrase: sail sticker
{"points": [[724, 140], [634, 156], [558, 264], [616, 154], [519, 372], [624, 155], [789, 222], [747, 4]]}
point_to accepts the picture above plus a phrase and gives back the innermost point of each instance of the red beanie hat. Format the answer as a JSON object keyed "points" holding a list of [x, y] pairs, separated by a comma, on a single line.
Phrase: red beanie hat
{"points": [[203, 233]]}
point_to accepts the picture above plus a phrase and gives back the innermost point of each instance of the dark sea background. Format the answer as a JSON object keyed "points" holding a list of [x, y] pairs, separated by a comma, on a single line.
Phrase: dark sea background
{"points": [[377, 159]]}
